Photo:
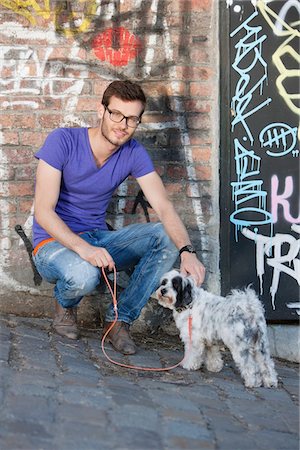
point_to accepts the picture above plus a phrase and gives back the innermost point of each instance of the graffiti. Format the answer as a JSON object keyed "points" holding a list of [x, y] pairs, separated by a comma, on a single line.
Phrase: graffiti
{"points": [[262, 138], [282, 199], [273, 249], [116, 46], [287, 51], [250, 43], [67, 21], [247, 190], [28, 9], [41, 73], [280, 135]]}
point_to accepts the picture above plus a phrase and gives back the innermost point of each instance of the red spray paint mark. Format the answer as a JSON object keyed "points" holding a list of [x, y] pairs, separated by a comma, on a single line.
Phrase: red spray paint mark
{"points": [[116, 45]]}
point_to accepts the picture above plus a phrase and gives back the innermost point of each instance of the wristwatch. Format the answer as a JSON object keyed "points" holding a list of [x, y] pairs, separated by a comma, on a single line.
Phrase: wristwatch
{"points": [[187, 248]]}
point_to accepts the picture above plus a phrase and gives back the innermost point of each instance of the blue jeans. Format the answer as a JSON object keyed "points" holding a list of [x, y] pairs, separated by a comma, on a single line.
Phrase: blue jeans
{"points": [[146, 247]]}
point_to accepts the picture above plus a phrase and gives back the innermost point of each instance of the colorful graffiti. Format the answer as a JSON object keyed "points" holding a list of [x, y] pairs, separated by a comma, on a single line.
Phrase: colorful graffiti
{"points": [[265, 147], [283, 29], [117, 46], [44, 75]]}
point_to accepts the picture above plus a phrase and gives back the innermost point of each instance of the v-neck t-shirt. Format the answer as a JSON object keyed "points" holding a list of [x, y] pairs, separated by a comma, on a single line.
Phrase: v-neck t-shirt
{"points": [[86, 190]]}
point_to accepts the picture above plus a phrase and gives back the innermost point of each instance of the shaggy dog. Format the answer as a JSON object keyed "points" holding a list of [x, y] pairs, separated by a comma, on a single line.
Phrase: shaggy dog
{"points": [[236, 320]]}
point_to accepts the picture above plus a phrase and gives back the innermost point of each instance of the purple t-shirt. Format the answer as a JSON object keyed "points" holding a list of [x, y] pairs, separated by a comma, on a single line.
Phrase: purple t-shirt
{"points": [[86, 190]]}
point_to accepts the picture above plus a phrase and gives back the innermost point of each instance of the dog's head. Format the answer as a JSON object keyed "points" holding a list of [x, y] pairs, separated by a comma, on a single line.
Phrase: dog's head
{"points": [[175, 291]]}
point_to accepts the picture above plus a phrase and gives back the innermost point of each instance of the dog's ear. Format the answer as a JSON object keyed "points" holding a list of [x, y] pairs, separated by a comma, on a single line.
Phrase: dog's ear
{"points": [[184, 292]]}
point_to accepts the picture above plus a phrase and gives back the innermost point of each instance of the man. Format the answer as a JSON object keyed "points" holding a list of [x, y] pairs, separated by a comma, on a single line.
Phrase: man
{"points": [[77, 173]]}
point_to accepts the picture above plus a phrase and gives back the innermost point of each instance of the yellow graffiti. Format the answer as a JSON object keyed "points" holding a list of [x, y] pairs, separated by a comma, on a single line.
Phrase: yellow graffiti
{"points": [[67, 21], [284, 50], [72, 22], [25, 7]]}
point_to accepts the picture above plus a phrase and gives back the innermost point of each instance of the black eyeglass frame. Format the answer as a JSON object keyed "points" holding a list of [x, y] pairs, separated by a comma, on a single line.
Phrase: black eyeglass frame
{"points": [[139, 119]]}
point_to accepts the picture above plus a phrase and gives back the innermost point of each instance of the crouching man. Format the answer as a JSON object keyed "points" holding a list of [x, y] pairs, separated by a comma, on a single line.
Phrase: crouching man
{"points": [[78, 171]]}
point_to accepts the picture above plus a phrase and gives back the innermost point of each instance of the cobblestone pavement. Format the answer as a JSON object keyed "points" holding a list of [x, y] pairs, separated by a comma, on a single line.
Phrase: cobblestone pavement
{"points": [[59, 394]]}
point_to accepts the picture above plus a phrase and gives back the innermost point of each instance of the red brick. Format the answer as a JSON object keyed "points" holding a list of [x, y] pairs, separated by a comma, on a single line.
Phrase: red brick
{"points": [[10, 137], [19, 154], [176, 172], [8, 206], [201, 154], [25, 205], [199, 121], [25, 172], [35, 139], [87, 104], [20, 188], [17, 121], [202, 89], [203, 172], [50, 121]]}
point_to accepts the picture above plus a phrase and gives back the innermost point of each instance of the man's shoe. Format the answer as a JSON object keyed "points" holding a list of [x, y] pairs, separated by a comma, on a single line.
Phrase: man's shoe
{"points": [[119, 337], [65, 321]]}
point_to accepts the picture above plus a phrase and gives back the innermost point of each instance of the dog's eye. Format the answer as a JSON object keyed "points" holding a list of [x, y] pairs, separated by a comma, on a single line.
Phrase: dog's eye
{"points": [[164, 282]]}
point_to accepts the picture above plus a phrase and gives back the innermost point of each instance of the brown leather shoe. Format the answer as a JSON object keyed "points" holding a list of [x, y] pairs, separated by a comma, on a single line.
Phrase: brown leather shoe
{"points": [[65, 321], [119, 337]]}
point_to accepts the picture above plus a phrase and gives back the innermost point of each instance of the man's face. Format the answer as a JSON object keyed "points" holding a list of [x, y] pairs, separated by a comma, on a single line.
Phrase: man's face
{"points": [[119, 133]]}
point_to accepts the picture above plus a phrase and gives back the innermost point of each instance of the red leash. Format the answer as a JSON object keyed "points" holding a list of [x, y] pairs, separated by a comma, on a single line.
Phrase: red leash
{"points": [[115, 305]]}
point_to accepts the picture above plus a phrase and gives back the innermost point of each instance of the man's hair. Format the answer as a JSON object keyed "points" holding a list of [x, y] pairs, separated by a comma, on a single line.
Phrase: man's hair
{"points": [[124, 90]]}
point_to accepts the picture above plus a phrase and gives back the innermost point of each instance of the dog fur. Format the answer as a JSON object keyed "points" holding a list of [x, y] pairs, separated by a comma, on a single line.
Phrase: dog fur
{"points": [[236, 320]]}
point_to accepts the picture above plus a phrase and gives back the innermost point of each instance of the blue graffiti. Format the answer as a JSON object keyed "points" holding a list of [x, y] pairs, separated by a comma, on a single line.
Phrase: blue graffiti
{"points": [[246, 192], [240, 101], [281, 136]]}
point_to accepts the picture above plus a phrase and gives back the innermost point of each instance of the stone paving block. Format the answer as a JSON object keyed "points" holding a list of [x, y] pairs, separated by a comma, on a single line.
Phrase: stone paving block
{"points": [[138, 439], [40, 377], [187, 430], [91, 379], [83, 414], [186, 416], [24, 428], [27, 408], [180, 443], [136, 417], [228, 440], [57, 394], [275, 440], [15, 441], [84, 396]]}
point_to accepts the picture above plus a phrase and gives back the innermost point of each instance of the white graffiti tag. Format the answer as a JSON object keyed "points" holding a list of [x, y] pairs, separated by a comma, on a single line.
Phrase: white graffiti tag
{"points": [[273, 248]]}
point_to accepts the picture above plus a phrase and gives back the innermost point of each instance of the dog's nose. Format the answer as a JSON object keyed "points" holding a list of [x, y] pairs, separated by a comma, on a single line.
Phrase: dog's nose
{"points": [[163, 291]]}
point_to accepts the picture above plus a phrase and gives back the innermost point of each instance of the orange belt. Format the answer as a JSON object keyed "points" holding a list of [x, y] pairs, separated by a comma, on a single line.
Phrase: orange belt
{"points": [[41, 244]]}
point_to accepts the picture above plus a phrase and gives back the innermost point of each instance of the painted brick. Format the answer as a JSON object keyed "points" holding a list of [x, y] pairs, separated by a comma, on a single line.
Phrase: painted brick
{"points": [[34, 139], [55, 78], [10, 137]]}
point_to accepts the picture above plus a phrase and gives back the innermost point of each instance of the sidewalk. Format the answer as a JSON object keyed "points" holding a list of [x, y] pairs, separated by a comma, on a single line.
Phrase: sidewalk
{"points": [[58, 394]]}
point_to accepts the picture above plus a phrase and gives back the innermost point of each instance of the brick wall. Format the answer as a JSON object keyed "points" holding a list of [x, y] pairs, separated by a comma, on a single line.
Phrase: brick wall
{"points": [[55, 62]]}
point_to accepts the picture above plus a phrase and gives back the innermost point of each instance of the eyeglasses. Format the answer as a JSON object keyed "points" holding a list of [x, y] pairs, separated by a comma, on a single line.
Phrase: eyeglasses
{"points": [[117, 116]]}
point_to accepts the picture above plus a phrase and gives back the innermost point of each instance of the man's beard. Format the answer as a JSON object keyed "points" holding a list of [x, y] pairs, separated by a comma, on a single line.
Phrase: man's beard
{"points": [[116, 142]]}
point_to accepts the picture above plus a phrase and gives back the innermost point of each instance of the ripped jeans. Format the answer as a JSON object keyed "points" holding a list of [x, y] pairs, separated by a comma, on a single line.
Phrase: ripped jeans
{"points": [[146, 247]]}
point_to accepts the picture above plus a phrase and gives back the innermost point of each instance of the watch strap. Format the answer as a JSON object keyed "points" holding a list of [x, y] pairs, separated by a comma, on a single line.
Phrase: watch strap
{"points": [[187, 248]]}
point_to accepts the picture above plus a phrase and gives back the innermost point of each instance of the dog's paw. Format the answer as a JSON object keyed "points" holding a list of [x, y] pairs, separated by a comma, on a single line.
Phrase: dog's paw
{"points": [[214, 366], [190, 365], [270, 383]]}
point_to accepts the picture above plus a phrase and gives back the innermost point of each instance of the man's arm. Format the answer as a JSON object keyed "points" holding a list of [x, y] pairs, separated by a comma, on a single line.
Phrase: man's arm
{"points": [[47, 189], [156, 195]]}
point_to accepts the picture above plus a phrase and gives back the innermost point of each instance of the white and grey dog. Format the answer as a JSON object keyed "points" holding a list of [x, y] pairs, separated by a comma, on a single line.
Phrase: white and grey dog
{"points": [[236, 320]]}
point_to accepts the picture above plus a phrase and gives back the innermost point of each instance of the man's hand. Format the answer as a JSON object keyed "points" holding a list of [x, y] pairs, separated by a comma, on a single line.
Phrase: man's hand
{"points": [[97, 256], [190, 265]]}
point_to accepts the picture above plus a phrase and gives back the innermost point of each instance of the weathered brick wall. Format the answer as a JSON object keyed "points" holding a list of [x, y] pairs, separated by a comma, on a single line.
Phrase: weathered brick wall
{"points": [[56, 60]]}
